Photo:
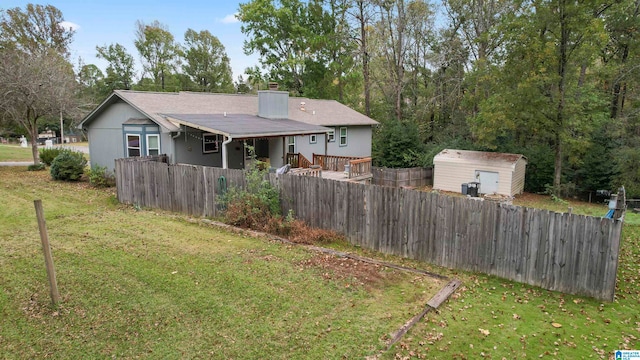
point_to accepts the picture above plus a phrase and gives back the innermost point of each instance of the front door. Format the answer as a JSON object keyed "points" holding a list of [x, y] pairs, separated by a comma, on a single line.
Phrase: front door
{"points": [[488, 181]]}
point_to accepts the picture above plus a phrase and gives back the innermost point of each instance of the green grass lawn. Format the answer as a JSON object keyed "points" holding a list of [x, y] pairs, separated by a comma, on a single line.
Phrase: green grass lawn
{"points": [[494, 318], [151, 284], [15, 153], [148, 284]]}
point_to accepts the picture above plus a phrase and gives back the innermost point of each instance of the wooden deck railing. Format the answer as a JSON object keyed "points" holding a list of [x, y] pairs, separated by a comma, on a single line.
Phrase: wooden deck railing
{"points": [[313, 170], [331, 162], [297, 160], [360, 169], [293, 159]]}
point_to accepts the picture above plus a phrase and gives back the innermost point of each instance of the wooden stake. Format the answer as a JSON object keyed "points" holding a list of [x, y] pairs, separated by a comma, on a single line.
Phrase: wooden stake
{"points": [[48, 259]]}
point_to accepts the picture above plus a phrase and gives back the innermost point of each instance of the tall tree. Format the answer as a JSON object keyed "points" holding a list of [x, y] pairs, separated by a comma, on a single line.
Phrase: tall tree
{"points": [[546, 89], [91, 83], [280, 36], [362, 15], [159, 52], [35, 86], [36, 29], [36, 80], [120, 67], [206, 62]]}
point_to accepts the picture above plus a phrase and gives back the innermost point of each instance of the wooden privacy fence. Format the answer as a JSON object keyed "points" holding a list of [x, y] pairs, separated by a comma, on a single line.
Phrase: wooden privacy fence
{"points": [[563, 252], [189, 189], [414, 177]]}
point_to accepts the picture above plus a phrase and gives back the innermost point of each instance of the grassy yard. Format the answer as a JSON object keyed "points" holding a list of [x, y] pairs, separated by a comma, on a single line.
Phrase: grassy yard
{"points": [[15, 153], [493, 318], [142, 283], [148, 284]]}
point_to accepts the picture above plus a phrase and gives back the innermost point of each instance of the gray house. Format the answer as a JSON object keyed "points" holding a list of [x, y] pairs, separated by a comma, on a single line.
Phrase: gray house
{"points": [[213, 129]]}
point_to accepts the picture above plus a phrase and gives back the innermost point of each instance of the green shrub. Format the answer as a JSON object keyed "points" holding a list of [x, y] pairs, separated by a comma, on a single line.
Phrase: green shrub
{"points": [[99, 176], [68, 166], [36, 167], [254, 206], [47, 155]]}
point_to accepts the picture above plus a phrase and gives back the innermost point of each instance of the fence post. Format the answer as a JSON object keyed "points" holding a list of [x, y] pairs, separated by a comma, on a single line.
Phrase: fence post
{"points": [[48, 259]]}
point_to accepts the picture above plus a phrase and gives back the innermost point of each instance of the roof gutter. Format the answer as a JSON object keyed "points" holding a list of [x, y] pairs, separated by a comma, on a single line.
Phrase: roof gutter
{"points": [[224, 152]]}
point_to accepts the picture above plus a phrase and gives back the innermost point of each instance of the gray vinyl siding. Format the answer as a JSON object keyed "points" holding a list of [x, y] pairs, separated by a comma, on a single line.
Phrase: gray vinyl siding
{"points": [[106, 142], [358, 142], [188, 150]]}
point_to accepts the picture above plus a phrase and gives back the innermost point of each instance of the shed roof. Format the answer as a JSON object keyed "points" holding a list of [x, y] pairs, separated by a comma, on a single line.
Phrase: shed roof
{"points": [[478, 156], [245, 126], [153, 104]]}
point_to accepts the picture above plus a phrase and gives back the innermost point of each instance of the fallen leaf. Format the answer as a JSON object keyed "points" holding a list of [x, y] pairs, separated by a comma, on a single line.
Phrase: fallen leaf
{"points": [[484, 332], [516, 316], [556, 325]]}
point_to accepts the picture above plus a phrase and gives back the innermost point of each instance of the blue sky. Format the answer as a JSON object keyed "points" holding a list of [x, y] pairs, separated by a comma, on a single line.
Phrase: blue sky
{"points": [[105, 22]]}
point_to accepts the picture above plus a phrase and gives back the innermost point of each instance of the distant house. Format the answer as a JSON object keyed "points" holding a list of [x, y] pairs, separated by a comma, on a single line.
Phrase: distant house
{"points": [[214, 129], [497, 173]]}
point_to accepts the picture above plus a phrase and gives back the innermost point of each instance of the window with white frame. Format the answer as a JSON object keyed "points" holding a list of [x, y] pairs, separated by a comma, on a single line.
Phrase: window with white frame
{"points": [[133, 145], [210, 143], [343, 136], [331, 136], [291, 144], [153, 144], [313, 138]]}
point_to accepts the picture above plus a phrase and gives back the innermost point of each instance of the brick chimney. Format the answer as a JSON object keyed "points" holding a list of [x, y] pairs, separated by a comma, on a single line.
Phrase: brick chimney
{"points": [[273, 104]]}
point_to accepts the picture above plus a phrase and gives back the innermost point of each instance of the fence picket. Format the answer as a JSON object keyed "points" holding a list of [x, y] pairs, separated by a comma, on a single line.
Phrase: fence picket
{"points": [[570, 253]]}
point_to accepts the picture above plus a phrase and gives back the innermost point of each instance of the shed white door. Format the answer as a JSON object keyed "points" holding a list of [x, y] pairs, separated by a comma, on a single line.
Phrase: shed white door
{"points": [[488, 181]]}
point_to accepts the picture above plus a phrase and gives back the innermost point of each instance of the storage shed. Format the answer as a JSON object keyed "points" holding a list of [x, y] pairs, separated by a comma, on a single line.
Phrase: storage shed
{"points": [[497, 173]]}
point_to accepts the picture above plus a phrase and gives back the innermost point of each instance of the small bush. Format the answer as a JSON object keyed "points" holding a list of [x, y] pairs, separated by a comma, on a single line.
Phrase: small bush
{"points": [[36, 167], [47, 155], [99, 176], [68, 166]]}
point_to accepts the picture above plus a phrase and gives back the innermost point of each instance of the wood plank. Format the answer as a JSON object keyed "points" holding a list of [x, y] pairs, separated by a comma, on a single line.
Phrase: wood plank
{"points": [[444, 293]]}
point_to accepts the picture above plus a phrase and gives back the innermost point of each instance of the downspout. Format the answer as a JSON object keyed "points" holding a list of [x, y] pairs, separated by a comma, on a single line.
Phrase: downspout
{"points": [[174, 155], [224, 152]]}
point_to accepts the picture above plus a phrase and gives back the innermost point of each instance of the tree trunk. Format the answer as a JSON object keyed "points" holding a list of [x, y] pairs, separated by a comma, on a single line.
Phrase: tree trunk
{"points": [[562, 74], [557, 171], [33, 133], [616, 99], [365, 58]]}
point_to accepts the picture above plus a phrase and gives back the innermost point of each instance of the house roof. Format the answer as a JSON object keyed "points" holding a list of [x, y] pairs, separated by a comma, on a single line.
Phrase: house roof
{"points": [[153, 104], [245, 126], [478, 156]]}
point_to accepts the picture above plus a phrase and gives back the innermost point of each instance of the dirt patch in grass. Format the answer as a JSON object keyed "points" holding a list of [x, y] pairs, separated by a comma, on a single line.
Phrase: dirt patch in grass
{"points": [[351, 272]]}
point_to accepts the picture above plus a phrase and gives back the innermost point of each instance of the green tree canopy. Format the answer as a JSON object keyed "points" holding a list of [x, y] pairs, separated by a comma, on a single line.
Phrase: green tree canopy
{"points": [[158, 50], [206, 62], [120, 67], [36, 29]]}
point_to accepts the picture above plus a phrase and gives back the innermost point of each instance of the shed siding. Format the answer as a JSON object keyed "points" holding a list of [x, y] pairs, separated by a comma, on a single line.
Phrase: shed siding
{"points": [[517, 184], [451, 173]]}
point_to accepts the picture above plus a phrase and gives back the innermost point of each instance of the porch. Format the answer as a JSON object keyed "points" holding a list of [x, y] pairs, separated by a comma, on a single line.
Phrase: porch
{"points": [[343, 168]]}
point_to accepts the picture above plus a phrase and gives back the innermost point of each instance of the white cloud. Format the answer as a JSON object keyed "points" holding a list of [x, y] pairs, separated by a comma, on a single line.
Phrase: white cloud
{"points": [[69, 26], [230, 19]]}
